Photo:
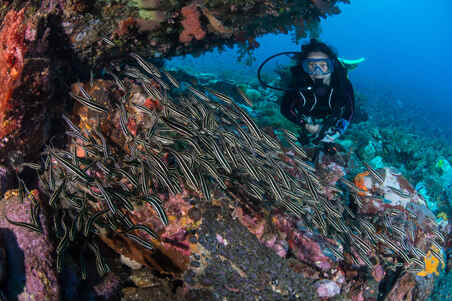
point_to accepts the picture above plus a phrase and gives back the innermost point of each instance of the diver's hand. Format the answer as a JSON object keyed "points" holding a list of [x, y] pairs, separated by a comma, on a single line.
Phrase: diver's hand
{"points": [[330, 138], [313, 128]]}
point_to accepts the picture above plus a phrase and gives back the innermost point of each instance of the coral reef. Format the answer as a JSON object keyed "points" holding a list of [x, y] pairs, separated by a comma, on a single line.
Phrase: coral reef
{"points": [[157, 24], [184, 182], [180, 180]]}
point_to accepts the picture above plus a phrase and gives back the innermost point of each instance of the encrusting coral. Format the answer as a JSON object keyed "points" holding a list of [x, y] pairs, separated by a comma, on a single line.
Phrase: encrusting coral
{"points": [[24, 91], [191, 24], [12, 52]]}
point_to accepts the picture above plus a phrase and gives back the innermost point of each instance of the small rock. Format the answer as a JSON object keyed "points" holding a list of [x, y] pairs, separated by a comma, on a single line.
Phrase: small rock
{"points": [[327, 288], [131, 263], [144, 278]]}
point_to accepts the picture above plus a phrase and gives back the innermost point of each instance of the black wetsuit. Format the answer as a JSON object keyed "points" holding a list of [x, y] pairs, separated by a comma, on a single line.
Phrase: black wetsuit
{"points": [[332, 108]]}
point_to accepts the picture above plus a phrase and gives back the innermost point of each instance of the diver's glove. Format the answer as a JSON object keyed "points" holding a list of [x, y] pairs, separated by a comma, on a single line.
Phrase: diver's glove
{"points": [[330, 138], [333, 133], [342, 125]]}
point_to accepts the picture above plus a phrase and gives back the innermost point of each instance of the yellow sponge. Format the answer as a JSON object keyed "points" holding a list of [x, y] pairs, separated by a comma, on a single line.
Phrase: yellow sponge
{"points": [[431, 263]]}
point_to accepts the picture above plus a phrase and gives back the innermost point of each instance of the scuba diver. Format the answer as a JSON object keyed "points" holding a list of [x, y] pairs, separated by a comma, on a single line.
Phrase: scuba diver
{"points": [[322, 102]]}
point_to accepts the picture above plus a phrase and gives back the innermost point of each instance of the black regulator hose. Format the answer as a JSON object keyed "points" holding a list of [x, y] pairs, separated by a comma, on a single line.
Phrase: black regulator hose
{"points": [[264, 62]]}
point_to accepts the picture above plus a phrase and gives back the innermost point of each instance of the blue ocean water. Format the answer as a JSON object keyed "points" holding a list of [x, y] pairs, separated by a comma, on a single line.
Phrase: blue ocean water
{"points": [[408, 50]]}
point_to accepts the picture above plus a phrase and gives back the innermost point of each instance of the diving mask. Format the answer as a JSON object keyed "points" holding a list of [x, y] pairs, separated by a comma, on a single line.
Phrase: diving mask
{"points": [[320, 66]]}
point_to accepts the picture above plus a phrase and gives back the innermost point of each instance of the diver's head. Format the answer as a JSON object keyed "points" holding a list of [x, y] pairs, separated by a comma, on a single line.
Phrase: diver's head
{"points": [[317, 60], [318, 65]]}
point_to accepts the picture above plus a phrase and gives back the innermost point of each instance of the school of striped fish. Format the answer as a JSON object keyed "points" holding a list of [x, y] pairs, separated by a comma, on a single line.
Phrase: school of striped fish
{"points": [[200, 141]]}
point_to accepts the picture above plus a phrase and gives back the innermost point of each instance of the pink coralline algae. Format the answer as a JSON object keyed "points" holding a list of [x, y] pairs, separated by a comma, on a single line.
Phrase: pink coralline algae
{"points": [[307, 247], [191, 24], [308, 250], [37, 251], [254, 224], [279, 246]]}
